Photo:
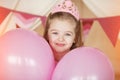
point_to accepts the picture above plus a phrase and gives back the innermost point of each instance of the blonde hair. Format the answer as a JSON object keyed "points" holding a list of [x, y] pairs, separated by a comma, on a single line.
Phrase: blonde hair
{"points": [[66, 16]]}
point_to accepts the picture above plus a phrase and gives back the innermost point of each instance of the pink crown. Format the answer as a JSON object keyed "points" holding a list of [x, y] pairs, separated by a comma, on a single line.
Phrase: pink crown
{"points": [[67, 6]]}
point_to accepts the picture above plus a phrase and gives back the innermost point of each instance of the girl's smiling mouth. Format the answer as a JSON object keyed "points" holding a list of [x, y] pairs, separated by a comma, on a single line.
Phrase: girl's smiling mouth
{"points": [[60, 44]]}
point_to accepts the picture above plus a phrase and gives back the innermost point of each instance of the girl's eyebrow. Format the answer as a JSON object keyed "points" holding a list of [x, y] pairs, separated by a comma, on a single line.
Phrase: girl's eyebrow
{"points": [[70, 32], [53, 30]]}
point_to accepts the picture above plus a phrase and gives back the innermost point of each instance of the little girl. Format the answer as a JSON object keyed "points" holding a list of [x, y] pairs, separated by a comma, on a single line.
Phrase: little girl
{"points": [[63, 31]]}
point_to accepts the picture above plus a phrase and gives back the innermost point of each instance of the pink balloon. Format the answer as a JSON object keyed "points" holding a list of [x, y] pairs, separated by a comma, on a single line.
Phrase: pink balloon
{"points": [[24, 55], [84, 63]]}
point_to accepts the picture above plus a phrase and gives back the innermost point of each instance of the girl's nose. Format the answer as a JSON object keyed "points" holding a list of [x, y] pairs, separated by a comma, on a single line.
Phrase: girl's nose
{"points": [[61, 38]]}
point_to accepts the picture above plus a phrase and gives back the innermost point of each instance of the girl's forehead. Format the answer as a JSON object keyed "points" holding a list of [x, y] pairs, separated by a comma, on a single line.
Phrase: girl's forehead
{"points": [[62, 25], [65, 21]]}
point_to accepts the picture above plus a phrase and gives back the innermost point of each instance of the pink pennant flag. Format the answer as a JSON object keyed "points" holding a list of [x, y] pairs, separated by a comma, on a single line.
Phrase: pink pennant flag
{"points": [[24, 20], [111, 26], [43, 19], [3, 13], [86, 27]]}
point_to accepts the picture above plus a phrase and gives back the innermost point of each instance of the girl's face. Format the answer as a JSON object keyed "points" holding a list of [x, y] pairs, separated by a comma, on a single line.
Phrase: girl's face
{"points": [[61, 35]]}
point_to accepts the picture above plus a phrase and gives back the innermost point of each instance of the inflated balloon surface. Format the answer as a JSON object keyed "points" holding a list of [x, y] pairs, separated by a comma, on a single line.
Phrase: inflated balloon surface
{"points": [[85, 63], [24, 55]]}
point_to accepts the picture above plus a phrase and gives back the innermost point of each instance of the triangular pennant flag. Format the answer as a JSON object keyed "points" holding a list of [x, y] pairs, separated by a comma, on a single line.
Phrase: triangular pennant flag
{"points": [[25, 15], [86, 27], [24, 20], [43, 19], [3, 13], [111, 26]]}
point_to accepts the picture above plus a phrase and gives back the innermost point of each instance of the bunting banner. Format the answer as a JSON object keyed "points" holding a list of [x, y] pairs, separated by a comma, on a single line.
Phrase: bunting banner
{"points": [[110, 25], [19, 20]]}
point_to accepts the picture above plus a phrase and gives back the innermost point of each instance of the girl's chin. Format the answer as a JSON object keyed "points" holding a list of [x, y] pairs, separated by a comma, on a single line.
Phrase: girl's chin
{"points": [[61, 51]]}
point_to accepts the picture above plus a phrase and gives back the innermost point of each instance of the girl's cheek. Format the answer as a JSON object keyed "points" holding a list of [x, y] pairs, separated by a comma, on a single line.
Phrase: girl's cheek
{"points": [[69, 38], [52, 37]]}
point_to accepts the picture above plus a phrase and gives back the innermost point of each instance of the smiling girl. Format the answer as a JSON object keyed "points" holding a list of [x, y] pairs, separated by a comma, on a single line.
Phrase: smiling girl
{"points": [[63, 31]]}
